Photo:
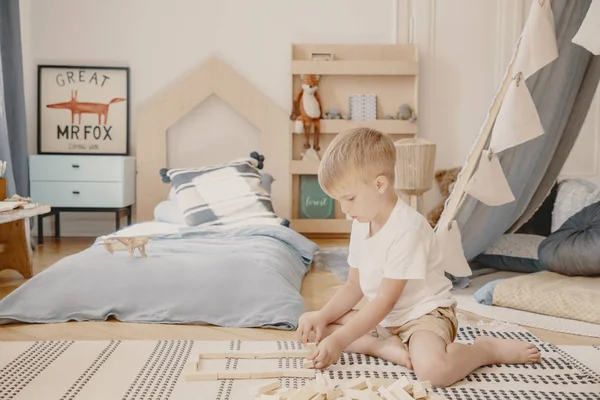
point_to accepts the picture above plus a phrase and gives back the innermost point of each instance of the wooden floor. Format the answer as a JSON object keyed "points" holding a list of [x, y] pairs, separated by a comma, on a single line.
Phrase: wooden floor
{"points": [[317, 288]]}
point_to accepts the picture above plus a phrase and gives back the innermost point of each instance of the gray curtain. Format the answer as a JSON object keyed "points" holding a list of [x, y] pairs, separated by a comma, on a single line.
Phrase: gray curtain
{"points": [[562, 92], [13, 129]]}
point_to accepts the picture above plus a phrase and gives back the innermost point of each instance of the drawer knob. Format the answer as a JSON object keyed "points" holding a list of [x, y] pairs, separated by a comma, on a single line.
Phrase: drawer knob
{"points": [[75, 191], [75, 165]]}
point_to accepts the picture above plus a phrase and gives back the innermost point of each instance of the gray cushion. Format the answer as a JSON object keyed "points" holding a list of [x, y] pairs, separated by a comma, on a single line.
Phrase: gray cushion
{"points": [[574, 249], [572, 196], [237, 277], [516, 252]]}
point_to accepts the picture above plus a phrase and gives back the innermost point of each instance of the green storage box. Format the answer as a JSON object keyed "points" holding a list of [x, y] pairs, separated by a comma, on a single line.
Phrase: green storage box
{"points": [[314, 202]]}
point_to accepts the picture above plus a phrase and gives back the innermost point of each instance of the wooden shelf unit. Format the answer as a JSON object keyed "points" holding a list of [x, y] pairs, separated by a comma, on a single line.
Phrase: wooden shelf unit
{"points": [[355, 67], [336, 225], [388, 71]]}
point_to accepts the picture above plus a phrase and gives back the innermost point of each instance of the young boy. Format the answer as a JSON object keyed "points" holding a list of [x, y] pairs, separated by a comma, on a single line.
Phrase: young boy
{"points": [[396, 264]]}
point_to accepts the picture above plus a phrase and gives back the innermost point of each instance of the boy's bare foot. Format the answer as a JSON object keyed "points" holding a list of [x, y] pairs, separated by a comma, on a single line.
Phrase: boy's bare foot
{"points": [[510, 351], [394, 350]]}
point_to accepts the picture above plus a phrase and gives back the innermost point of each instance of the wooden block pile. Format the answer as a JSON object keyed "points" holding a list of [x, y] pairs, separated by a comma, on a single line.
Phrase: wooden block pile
{"points": [[320, 387], [358, 389]]}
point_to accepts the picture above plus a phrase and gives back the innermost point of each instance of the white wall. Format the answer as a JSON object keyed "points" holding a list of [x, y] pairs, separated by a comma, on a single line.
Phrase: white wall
{"points": [[464, 47]]}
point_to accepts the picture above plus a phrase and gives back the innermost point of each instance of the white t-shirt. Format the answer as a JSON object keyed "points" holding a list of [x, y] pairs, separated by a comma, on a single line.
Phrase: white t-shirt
{"points": [[404, 248]]}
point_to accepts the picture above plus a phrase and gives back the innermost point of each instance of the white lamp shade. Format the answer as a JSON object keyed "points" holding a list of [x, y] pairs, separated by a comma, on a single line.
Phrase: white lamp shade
{"points": [[415, 162]]}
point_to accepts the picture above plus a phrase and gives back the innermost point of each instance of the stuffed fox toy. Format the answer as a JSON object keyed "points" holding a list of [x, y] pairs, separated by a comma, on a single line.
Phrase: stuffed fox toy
{"points": [[307, 110]]}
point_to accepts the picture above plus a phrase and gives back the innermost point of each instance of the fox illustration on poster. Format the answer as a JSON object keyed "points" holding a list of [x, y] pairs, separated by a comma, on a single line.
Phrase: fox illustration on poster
{"points": [[83, 110]]}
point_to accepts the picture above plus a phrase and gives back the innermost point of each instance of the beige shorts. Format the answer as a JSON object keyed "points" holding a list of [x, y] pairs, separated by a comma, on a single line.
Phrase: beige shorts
{"points": [[442, 321]]}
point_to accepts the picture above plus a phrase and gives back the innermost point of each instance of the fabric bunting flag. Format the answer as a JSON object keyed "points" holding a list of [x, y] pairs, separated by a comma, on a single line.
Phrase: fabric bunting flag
{"points": [[488, 184], [518, 120], [538, 46], [588, 35], [450, 242]]}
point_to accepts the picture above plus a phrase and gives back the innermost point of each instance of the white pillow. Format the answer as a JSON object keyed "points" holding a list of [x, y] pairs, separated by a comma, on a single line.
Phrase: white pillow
{"points": [[572, 196], [168, 211]]}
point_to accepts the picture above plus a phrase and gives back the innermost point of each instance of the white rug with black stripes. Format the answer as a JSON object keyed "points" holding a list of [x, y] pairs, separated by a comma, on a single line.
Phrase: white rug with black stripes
{"points": [[127, 370]]}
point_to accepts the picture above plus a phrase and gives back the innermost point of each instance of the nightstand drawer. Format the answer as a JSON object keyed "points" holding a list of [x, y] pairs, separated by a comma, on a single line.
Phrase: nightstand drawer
{"points": [[80, 168], [82, 194]]}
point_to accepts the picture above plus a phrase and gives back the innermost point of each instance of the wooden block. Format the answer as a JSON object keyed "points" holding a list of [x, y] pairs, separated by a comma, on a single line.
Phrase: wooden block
{"points": [[375, 383], [359, 384], [386, 394], [419, 393], [298, 353], [241, 355], [402, 382], [401, 394], [321, 384], [213, 355], [425, 384], [265, 387], [366, 394], [308, 363], [266, 374], [400, 387], [233, 374], [334, 393], [305, 393], [310, 346], [357, 394], [320, 396], [298, 373], [276, 354]]}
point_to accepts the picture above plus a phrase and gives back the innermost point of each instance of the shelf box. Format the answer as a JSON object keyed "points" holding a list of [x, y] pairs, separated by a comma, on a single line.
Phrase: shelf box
{"points": [[321, 225], [341, 67]]}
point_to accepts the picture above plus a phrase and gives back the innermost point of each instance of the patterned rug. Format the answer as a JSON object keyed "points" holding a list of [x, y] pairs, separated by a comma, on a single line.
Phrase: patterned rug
{"points": [[128, 370]]}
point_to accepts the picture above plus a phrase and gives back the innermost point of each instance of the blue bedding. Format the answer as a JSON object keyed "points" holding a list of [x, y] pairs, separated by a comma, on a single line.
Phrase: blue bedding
{"points": [[236, 277]]}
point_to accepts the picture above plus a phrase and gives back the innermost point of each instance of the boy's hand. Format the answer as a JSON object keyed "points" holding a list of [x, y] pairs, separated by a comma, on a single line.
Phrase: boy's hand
{"points": [[309, 322], [327, 352]]}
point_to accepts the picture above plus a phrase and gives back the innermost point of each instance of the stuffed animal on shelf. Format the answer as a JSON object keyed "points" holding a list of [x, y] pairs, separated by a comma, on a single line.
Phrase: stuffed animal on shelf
{"points": [[405, 112], [446, 178], [307, 109]]}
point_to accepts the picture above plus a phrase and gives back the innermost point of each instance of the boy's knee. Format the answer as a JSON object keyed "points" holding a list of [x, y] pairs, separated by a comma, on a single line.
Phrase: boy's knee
{"points": [[437, 372]]}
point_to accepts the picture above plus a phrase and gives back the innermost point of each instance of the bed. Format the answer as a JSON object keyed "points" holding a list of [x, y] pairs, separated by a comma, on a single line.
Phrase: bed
{"points": [[227, 258]]}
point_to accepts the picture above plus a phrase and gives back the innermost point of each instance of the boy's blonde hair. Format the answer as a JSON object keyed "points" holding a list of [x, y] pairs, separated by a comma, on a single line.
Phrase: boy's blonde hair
{"points": [[365, 152]]}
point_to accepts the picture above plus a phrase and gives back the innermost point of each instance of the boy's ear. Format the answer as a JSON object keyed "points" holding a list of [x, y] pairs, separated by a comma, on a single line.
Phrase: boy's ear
{"points": [[382, 183]]}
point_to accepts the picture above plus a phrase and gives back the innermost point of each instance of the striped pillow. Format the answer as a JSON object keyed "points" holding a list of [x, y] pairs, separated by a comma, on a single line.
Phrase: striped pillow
{"points": [[228, 194]]}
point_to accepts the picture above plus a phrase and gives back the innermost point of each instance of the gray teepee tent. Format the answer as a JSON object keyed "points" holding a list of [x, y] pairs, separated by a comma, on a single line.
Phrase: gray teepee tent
{"points": [[562, 91]]}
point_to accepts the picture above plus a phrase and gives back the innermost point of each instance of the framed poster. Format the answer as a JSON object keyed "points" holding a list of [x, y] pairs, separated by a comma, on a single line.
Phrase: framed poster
{"points": [[83, 110]]}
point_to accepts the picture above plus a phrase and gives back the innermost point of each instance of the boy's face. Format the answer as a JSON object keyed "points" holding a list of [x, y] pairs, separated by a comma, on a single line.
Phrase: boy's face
{"points": [[361, 200]]}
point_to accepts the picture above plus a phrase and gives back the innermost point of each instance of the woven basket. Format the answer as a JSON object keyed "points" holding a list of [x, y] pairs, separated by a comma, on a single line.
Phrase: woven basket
{"points": [[415, 162]]}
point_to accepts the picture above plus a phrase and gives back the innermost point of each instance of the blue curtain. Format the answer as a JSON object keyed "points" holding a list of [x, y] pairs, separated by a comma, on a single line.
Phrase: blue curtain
{"points": [[13, 128], [562, 92]]}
